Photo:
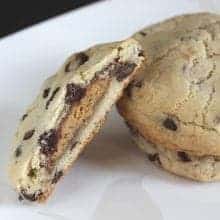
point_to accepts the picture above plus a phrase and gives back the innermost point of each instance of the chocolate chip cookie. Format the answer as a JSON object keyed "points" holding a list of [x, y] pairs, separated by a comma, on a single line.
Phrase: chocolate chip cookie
{"points": [[68, 112], [174, 103]]}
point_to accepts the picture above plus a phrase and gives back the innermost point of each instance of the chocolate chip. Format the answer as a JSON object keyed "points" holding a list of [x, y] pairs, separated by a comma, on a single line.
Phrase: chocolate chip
{"points": [[52, 96], [120, 48], [28, 134], [170, 124], [32, 173], [48, 141], [80, 59], [24, 116], [57, 176], [141, 53], [183, 156], [74, 93], [73, 145], [154, 158], [142, 33], [46, 92], [18, 151], [122, 70], [31, 197]]}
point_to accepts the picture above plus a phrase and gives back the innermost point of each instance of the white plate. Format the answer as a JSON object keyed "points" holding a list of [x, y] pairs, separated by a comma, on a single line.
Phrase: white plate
{"points": [[112, 179]]}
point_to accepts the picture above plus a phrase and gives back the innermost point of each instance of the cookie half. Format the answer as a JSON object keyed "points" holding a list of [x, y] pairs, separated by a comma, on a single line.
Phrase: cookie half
{"points": [[181, 163], [67, 113]]}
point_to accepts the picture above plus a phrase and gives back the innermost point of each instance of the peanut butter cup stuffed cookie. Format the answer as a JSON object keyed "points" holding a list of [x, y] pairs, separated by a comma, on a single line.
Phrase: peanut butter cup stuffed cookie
{"points": [[174, 104], [67, 113]]}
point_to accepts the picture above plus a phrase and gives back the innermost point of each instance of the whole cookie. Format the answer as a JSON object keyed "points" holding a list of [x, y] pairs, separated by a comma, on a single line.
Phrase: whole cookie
{"points": [[67, 113], [174, 103]]}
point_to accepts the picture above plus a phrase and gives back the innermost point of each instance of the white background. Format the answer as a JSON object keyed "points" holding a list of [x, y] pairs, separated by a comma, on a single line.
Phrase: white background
{"points": [[112, 179]]}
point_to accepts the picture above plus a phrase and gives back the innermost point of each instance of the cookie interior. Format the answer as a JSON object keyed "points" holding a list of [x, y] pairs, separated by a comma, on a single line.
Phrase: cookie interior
{"points": [[68, 114]]}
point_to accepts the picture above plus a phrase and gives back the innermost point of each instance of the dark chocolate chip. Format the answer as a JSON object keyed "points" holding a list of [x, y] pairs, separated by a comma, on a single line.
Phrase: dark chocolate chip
{"points": [[18, 151], [170, 124], [52, 97], [74, 93], [67, 67], [46, 92], [120, 48], [142, 33], [28, 134], [57, 177], [154, 158], [24, 116], [183, 156], [32, 173], [141, 53], [122, 70], [80, 59], [73, 145], [31, 197], [48, 141]]}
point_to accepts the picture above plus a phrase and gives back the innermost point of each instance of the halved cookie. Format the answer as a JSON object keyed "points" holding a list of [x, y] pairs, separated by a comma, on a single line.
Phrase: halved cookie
{"points": [[67, 113]]}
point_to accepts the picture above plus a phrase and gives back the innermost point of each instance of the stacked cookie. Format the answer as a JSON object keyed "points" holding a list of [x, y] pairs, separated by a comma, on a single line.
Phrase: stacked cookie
{"points": [[173, 107]]}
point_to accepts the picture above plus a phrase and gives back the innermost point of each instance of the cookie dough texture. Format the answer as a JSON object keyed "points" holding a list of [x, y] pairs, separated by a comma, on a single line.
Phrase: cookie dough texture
{"points": [[67, 113], [175, 101]]}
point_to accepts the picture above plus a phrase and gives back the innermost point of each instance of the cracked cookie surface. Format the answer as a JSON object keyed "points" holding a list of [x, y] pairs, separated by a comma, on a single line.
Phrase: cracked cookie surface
{"points": [[69, 110], [177, 105]]}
